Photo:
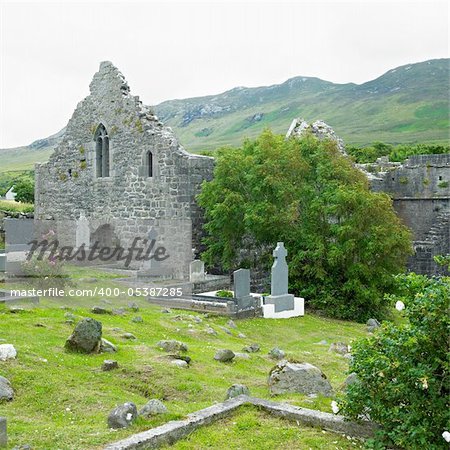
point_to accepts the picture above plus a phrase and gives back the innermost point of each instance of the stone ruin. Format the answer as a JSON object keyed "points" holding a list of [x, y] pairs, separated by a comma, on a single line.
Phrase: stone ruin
{"points": [[120, 173], [420, 190]]}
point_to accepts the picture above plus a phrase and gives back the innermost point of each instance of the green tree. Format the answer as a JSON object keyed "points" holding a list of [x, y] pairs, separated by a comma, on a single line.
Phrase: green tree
{"points": [[24, 189], [403, 370], [344, 242]]}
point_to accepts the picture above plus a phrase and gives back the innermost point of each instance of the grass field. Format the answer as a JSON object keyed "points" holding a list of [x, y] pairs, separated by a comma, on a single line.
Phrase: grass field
{"points": [[63, 399]]}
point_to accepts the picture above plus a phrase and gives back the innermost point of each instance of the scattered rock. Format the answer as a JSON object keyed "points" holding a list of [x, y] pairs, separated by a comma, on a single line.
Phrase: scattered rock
{"points": [[122, 416], [236, 390], [7, 351], [86, 337], [323, 342], [22, 447], [372, 325], [16, 310], [172, 346], [242, 335], [133, 306], [339, 347], [40, 325], [197, 319], [351, 379], [152, 408], [107, 347], [88, 280], [242, 356], [302, 378], [70, 316], [224, 355], [166, 311], [137, 319], [211, 331], [100, 310], [6, 390], [118, 312], [253, 348], [226, 330], [129, 336], [182, 358], [231, 324], [109, 364], [179, 363], [277, 353]]}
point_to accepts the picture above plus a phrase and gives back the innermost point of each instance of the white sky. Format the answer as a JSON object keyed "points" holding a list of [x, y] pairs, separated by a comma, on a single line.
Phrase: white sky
{"points": [[50, 51]]}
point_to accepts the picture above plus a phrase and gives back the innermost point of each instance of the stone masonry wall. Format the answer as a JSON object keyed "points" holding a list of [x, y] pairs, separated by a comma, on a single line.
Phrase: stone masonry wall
{"points": [[128, 200]]}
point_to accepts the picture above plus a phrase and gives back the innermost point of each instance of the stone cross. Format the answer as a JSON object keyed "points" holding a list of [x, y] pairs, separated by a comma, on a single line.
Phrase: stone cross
{"points": [[279, 283]]}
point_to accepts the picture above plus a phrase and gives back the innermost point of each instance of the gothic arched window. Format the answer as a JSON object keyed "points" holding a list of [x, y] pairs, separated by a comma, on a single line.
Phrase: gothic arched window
{"points": [[149, 164], [101, 152]]}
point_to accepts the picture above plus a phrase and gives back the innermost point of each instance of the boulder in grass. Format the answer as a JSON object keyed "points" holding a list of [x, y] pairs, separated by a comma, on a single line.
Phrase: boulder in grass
{"points": [[252, 348], [372, 325], [236, 390], [277, 353], [7, 351], [172, 346], [339, 347], [224, 355], [86, 337], [6, 390], [302, 378], [107, 347], [122, 416], [152, 408]]}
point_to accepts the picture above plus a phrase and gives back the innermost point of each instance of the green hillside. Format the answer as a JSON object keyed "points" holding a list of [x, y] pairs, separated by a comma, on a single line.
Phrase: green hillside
{"points": [[408, 104]]}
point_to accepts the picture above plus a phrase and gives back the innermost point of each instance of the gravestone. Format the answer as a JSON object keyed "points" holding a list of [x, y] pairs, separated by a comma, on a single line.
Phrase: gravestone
{"points": [[241, 278], [83, 235], [3, 435], [18, 236], [279, 296], [196, 271]]}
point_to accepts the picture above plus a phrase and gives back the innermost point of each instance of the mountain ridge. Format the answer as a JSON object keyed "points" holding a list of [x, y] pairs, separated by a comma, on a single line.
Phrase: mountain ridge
{"points": [[406, 104]]}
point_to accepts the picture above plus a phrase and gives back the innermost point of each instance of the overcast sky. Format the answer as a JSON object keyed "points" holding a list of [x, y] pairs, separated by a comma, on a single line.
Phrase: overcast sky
{"points": [[50, 51]]}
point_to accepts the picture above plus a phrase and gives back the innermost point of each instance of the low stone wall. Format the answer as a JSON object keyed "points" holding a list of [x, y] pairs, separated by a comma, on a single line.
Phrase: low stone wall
{"points": [[173, 431]]}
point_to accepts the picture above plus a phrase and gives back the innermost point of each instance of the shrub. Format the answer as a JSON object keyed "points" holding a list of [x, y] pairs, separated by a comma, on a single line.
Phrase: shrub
{"points": [[403, 369], [224, 294]]}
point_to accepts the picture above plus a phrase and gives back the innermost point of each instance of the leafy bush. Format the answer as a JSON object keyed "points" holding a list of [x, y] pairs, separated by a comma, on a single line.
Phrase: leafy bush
{"points": [[403, 369], [344, 242], [24, 189], [224, 294]]}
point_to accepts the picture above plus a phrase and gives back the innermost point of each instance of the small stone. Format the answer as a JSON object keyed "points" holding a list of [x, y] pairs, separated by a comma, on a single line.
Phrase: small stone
{"points": [[129, 336], [182, 357], [137, 319], [179, 363], [152, 408], [166, 311], [70, 316], [226, 330], [277, 353], [133, 306], [122, 416], [86, 337], [172, 346], [6, 390], [231, 324], [7, 351], [197, 319], [118, 312], [100, 310], [339, 347], [88, 280], [242, 356], [107, 347], [242, 335], [224, 355], [236, 390], [211, 331], [322, 342], [253, 348], [372, 325], [39, 325], [16, 310], [109, 364], [351, 379]]}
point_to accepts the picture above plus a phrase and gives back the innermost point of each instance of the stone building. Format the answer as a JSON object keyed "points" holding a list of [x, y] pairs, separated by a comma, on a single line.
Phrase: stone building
{"points": [[122, 172], [420, 190]]}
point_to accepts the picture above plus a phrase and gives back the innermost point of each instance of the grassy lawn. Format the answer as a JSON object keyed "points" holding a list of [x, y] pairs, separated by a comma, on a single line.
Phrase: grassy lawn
{"points": [[63, 399], [250, 428], [13, 206]]}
